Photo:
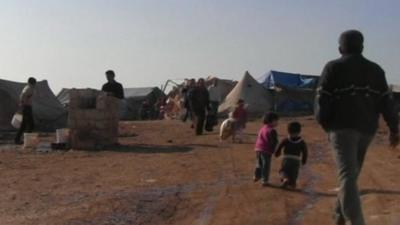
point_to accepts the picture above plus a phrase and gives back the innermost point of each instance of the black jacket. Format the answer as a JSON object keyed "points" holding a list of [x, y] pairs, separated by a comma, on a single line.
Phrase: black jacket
{"points": [[352, 93], [114, 88], [199, 99], [294, 147]]}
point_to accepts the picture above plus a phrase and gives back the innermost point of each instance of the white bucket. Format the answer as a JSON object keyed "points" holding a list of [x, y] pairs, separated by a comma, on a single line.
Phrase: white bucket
{"points": [[31, 140], [16, 120], [62, 136]]}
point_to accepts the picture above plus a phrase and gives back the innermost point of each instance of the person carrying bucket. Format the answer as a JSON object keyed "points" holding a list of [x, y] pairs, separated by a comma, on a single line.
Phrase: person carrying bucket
{"points": [[25, 105]]}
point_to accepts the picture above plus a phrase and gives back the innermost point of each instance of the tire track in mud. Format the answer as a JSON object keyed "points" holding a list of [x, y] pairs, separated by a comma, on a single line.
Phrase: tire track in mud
{"points": [[313, 196]]}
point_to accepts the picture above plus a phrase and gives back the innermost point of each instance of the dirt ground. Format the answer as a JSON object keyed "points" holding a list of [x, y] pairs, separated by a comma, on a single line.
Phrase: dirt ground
{"points": [[163, 174]]}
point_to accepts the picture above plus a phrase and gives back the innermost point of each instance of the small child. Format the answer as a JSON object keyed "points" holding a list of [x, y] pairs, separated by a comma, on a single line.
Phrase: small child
{"points": [[266, 143], [294, 152], [240, 116]]}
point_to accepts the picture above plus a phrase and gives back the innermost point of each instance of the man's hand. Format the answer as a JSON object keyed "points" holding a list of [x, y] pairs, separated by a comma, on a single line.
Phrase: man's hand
{"points": [[394, 140]]}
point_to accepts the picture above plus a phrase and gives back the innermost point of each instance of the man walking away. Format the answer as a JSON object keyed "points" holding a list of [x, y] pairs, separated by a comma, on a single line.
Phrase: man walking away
{"points": [[112, 87], [26, 99], [199, 103], [352, 93]]}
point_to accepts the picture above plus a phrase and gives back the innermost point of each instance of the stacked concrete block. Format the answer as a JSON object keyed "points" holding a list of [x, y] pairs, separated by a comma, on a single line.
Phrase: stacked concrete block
{"points": [[93, 119]]}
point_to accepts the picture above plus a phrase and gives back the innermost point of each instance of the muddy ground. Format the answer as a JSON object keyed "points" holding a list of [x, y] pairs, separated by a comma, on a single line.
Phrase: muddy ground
{"points": [[163, 174]]}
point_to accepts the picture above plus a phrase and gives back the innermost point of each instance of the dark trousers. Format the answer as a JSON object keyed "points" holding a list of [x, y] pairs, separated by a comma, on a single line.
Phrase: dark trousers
{"points": [[188, 115], [290, 170], [200, 116], [263, 166], [27, 124]]}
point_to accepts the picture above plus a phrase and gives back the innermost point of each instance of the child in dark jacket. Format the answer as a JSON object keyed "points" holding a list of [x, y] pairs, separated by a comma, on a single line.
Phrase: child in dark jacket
{"points": [[294, 152], [266, 143]]}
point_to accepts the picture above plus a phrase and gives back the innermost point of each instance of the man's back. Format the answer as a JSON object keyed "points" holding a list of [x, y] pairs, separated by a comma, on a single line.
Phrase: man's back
{"points": [[353, 92]]}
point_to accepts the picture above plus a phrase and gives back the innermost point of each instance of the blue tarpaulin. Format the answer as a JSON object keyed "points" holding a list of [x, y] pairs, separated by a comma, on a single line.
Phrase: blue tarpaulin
{"points": [[292, 92], [274, 79]]}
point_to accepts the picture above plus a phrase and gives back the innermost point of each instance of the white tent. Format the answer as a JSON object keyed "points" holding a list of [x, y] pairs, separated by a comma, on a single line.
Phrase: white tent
{"points": [[255, 96]]}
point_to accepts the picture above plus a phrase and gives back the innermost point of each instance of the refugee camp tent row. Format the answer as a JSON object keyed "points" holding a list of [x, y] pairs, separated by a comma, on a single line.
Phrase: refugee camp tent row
{"points": [[130, 106], [48, 112], [292, 94]]}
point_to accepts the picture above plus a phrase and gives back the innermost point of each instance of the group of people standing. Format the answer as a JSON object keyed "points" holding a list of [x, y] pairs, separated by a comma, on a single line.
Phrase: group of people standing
{"points": [[197, 105]]}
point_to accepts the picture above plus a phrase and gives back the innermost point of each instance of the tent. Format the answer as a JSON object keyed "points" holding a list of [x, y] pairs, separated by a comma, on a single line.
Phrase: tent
{"points": [[134, 97], [292, 93], [395, 90], [274, 79], [48, 113], [256, 97], [223, 86], [63, 96]]}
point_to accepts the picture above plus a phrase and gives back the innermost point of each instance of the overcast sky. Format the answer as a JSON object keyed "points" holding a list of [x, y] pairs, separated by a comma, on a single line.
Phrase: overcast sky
{"points": [[71, 43]]}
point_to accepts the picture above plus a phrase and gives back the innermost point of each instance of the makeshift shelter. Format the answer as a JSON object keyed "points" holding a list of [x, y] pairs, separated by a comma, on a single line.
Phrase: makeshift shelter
{"points": [[63, 97], [224, 87], [292, 93], [134, 98], [275, 79], [256, 97], [48, 112], [395, 89]]}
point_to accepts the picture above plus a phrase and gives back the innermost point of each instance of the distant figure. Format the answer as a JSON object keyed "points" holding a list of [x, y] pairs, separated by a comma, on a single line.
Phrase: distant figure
{"points": [[240, 116], [187, 91], [145, 110], [112, 87], [294, 152], [25, 104], [352, 93], [160, 108], [199, 104], [266, 143], [215, 100]]}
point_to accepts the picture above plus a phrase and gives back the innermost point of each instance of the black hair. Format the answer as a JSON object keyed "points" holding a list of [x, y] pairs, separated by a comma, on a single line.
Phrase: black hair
{"points": [[294, 128], [270, 117], [31, 80], [110, 73], [351, 42]]}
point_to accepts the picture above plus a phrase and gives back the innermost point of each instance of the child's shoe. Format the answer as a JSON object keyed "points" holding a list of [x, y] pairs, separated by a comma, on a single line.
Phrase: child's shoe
{"points": [[255, 179]]}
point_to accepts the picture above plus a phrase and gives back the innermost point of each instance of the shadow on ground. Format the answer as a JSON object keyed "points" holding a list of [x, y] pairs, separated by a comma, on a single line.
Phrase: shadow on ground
{"points": [[150, 149]]}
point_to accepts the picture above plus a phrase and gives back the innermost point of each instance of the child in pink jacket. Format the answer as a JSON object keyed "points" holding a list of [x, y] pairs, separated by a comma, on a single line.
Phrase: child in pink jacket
{"points": [[266, 143]]}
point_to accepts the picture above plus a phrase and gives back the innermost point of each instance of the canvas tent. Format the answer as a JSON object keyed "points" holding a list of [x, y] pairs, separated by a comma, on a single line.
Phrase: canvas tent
{"points": [[395, 89], [223, 86], [256, 97], [47, 111], [292, 93], [134, 97], [63, 97]]}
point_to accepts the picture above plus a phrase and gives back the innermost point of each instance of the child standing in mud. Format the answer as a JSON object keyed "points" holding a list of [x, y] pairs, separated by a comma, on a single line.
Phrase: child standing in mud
{"points": [[294, 152], [266, 143]]}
